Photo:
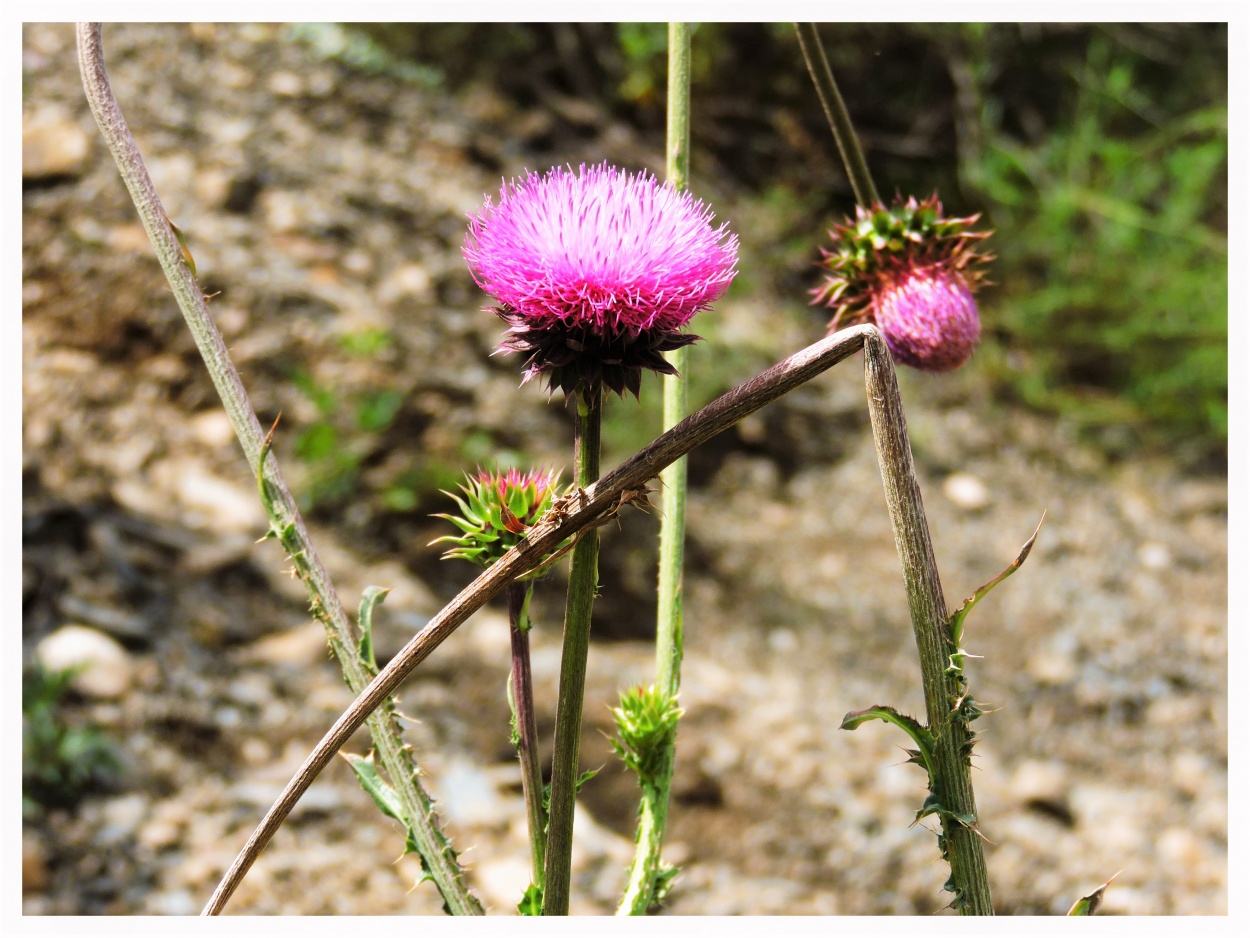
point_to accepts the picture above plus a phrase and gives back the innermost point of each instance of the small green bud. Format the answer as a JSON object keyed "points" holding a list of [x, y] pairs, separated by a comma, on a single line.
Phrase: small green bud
{"points": [[496, 512]]}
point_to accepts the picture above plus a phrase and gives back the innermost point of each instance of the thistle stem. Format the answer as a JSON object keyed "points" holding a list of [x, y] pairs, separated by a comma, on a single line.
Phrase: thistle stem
{"points": [[284, 516], [837, 115], [656, 792], [953, 782], [569, 515], [583, 581], [526, 724]]}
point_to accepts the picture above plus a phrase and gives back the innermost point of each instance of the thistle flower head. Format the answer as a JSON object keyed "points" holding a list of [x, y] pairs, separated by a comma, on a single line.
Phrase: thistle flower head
{"points": [[911, 271], [497, 509], [597, 272]]}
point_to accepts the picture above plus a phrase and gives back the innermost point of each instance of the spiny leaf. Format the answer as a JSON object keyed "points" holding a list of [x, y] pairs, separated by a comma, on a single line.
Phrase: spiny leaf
{"points": [[372, 596], [383, 795], [532, 902], [1088, 905], [956, 621], [585, 777], [910, 725]]}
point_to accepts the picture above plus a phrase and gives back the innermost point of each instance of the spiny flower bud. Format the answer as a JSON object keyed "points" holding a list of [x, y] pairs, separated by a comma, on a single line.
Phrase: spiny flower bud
{"points": [[497, 510], [912, 272], [597, 272]]}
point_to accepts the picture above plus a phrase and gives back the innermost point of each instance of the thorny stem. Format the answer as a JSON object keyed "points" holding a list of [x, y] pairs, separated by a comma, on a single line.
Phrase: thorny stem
{"points": [[583, 582], [527, 724], [653, 811], [285, 518], [837, 115], [570, 514], [953, 781]]}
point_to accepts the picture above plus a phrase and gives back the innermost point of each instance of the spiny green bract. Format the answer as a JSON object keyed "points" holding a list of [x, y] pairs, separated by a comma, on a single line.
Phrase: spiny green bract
{"points": [[497, 510], [645, 720], [882, 240]]}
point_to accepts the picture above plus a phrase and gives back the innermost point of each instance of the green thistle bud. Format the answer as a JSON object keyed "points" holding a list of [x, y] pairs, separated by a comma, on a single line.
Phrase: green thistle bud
{"points": [[497, 510], [645, 720]]}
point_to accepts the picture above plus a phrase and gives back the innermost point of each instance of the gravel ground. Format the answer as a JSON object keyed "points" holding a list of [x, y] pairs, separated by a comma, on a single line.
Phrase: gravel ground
{"points": [[327, 204]]}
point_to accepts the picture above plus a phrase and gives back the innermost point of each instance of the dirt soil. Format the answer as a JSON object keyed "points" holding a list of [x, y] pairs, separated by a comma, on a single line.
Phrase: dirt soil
{"points": [[327, 205]]}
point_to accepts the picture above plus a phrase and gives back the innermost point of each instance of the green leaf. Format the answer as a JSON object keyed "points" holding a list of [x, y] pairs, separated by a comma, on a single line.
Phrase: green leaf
{"points": [[910, 725], [584, 778], [1088, 905], [372, 597], [532, 902], [956, 622], [383, 795]]}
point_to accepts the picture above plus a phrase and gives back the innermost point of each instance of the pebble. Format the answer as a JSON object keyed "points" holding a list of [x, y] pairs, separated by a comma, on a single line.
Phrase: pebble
{"points": [[1035, 780], [1055, 662], [121, 817], [107, 670], [1154, 556], [52, 144], [966, 491], [173, 902], [500, 883], [467, 796], [409, 282], [300, 647]]}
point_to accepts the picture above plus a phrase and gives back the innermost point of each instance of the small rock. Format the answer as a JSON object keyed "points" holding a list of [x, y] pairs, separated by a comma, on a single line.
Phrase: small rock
{"points": [[1035, 780], [172, 902], [501, 883], [592, 841], [286, 84], [1191, 773], [106, 667], [212, 428], [52, 145], [1182, 850], [1154, 556], [299, 647], [468, 796], [121, 817], [1054, 663], [966, 491], [409, 281]]}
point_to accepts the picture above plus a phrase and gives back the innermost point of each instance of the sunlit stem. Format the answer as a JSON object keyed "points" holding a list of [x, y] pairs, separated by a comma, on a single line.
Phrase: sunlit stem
{"points": [[583, 581], [656, 791]]}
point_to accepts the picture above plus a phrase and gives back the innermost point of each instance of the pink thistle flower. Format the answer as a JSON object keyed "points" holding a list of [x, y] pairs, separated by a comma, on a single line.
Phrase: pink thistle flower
{"points": [[912, 271], [597, 272]]}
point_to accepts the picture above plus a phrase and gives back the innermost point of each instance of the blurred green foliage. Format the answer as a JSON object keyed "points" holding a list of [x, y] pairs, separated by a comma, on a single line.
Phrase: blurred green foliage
{"points": [[1113, 256], [1098, 152], [61, 760]]}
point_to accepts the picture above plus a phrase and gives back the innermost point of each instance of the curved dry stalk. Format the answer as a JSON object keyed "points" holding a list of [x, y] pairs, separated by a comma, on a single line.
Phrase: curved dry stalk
{"points": [[929, 618], [567, 516], [285, 520]]}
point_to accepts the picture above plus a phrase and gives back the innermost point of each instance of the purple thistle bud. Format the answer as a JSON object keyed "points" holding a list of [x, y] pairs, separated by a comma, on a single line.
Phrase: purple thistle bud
{"points": [[597, 272], [912, 271], [928, 317]]}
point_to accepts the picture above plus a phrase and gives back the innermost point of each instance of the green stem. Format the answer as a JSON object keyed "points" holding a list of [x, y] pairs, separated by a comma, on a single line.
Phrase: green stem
{"points": [[653, 811], [953, 770], [837, 115], [583, 581], [527, 724], [284, 516]]}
